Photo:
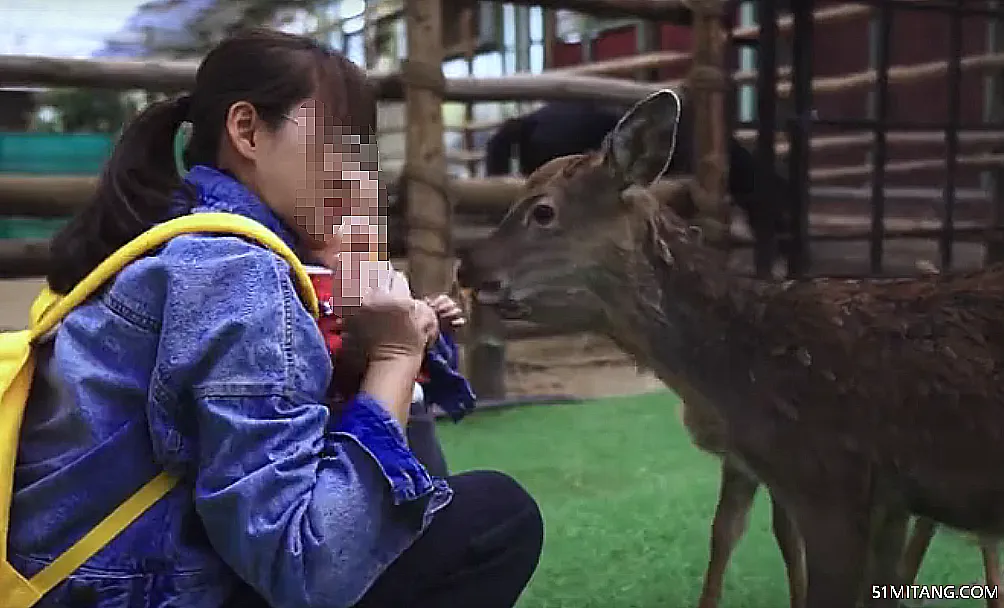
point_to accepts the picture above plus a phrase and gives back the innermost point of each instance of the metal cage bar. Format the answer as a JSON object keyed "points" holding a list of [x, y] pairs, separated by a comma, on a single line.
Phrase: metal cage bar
{"points": [[882, 122], [945, 243], [766, 111], [879, 158], [799, 133]]}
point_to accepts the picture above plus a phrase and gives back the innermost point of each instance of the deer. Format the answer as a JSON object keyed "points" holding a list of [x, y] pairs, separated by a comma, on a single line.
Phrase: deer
{"points": [[738, 487], [857, 403]]}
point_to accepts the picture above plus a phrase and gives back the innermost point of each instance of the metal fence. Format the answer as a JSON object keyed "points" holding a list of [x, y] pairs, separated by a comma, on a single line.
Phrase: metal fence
{"points": [[918, 186]]}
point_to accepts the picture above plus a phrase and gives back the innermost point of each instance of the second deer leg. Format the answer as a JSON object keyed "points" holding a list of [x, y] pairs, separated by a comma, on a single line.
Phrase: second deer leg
{"points": [[793, 552], [992, 569], [735, 498], [887, 537], [836, 547], [916, 548]]}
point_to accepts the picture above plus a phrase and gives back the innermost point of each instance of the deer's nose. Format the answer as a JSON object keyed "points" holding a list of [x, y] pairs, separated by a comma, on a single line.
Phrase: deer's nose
{"points": [[492, 292], [493, 285], [471, 274], [486, 283]]}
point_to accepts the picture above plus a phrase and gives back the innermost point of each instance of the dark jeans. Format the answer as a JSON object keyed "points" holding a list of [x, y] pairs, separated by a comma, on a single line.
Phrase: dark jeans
{"points": [[478, 552]]}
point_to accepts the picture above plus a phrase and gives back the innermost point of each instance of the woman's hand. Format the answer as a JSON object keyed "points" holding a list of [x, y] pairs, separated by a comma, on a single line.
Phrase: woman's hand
{"points": [[388, 326], [393, 332], [448, 312]]}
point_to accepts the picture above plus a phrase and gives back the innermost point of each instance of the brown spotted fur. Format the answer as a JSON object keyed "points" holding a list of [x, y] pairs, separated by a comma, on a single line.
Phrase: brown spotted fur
{"points": [[856, 402]]}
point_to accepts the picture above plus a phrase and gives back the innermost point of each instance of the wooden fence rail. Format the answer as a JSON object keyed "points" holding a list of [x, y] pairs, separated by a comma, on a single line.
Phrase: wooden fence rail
{"points": [[58, 196], [23, 258], [175, 76]]}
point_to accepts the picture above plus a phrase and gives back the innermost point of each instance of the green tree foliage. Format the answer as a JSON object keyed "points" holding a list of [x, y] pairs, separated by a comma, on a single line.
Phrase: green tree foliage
{"points": [[89, 110], [228, 16]]}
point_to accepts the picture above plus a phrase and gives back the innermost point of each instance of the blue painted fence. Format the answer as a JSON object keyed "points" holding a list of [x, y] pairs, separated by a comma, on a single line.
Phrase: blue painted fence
{"points": [[49, 154]]}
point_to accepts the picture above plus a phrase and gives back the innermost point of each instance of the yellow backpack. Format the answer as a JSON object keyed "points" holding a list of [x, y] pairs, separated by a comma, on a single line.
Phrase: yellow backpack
{"points": [[17, 365]]}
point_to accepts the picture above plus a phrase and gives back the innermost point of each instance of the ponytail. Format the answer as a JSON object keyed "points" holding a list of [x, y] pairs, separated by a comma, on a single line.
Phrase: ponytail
{"points": [[135, 191]]}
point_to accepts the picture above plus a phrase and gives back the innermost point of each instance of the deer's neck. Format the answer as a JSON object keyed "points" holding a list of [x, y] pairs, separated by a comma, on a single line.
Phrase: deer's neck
{"points": [[677, 310]]}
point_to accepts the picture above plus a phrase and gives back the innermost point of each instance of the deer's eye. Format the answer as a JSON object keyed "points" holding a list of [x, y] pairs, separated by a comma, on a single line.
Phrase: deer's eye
{"points": [[543, 214]]}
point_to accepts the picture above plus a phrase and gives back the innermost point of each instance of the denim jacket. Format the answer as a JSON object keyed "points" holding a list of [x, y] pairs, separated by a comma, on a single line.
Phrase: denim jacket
{"points": [[201, 359]]}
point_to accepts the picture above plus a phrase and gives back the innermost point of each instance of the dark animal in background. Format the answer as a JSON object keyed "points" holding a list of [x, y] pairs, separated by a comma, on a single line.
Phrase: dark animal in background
{"points": [[556, 129], [566, 128]]}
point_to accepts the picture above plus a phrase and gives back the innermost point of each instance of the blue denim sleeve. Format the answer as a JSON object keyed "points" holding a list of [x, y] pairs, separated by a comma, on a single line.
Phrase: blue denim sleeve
{"points": [[367, 422], [446, 386], [299, 510]]}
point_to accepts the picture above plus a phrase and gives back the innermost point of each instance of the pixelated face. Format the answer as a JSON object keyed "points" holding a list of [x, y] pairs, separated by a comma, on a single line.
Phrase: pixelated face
{"points": [[363, 236], [317, 173], [363, 264], [358, 257], [355, 279]]}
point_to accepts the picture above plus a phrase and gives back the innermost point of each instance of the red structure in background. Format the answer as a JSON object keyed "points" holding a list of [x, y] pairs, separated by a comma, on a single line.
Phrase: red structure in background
{"points": [[842, 48], [623, 42]]}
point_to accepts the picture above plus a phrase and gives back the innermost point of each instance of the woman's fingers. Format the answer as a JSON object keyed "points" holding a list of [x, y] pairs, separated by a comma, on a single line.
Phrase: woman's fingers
{"points": [[440, 301], [447, 310], [426, 319], [452, 314], [444, 305]]}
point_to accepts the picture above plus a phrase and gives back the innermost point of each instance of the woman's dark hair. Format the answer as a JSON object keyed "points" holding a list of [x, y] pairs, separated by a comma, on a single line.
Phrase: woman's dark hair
{"points": [[270, 70]]}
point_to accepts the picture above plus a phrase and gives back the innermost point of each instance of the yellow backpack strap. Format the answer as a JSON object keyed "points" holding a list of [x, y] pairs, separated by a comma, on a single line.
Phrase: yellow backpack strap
{"points": [[49, 309], [111, 526]]}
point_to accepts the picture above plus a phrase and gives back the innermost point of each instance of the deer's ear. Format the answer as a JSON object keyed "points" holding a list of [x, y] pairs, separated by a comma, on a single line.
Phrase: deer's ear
{"points": [[640, 148]]}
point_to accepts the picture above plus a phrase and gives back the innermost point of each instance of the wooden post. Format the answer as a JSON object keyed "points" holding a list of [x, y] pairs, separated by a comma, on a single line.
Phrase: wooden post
{"points": [[484, 360], [469, 33], [370, 47], [485, 365], [429, 212], [706, 87], [550, 37]]}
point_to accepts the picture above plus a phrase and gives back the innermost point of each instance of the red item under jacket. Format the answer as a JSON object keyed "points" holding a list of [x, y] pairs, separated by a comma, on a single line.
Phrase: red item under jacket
{"points": [[331, 328]]}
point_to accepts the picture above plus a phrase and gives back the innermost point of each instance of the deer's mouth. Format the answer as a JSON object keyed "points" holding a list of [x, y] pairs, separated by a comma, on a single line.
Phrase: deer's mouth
{"points": [[506, 306], [513, 310]]}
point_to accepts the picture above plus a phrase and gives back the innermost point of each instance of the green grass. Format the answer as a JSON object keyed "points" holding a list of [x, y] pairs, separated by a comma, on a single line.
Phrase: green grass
{"points": [[627, 502]]}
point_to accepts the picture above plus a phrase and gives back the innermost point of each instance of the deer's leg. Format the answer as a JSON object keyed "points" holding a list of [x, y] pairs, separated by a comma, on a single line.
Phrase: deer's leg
{"points": [[888, 535], [992, 569], [916, 548], [790, 543], [836, 547], [735, 498]]}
